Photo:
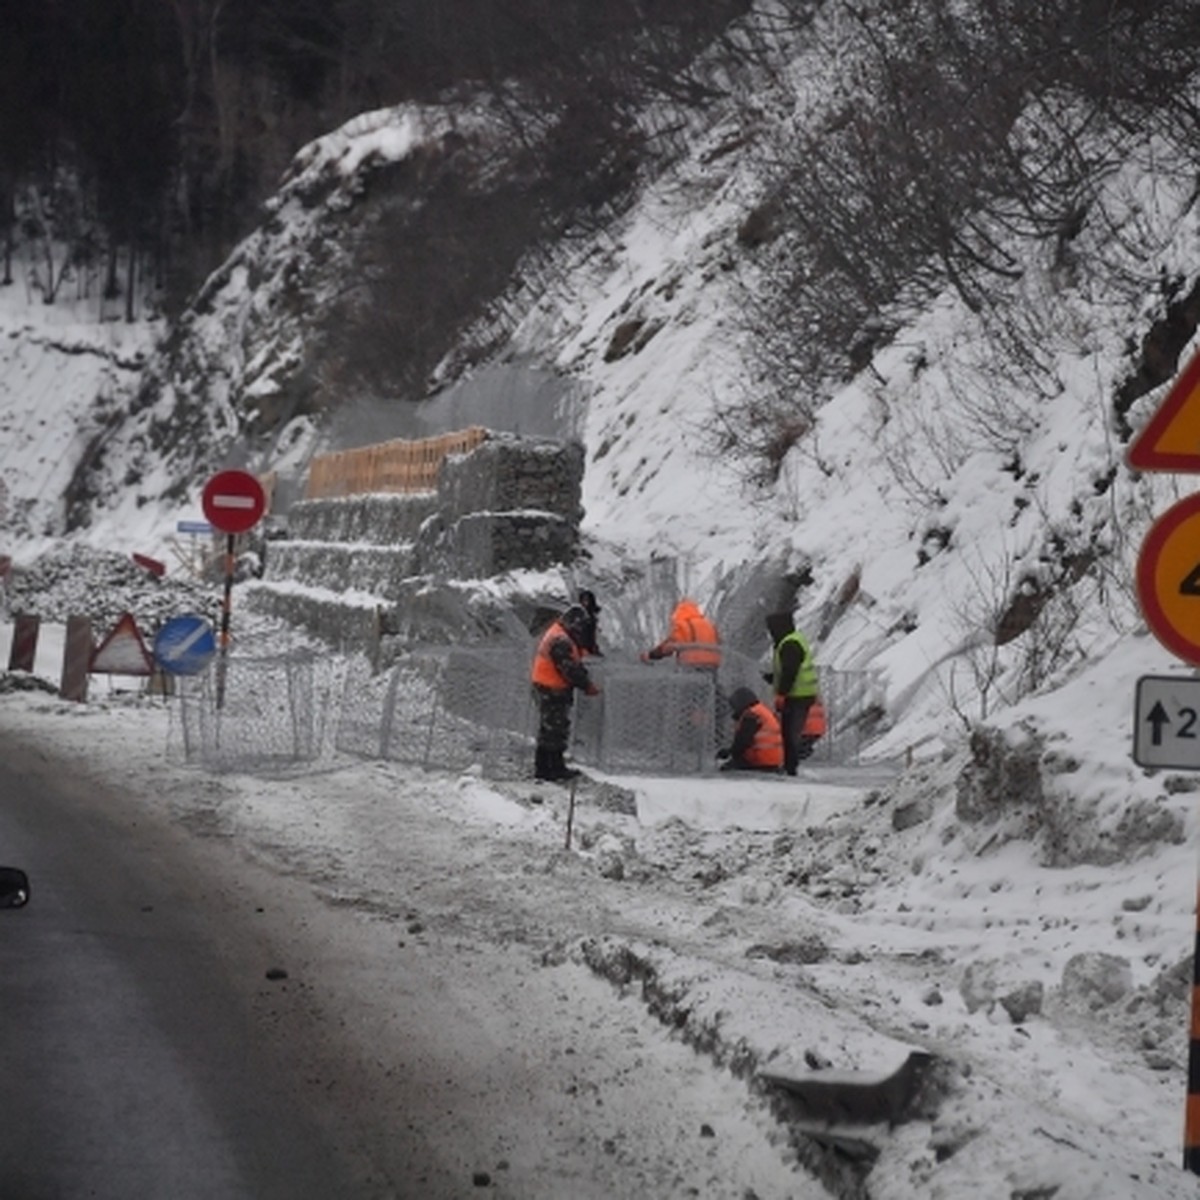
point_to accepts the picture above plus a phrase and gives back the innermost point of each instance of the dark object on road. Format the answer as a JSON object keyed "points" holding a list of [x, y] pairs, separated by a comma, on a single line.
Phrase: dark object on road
{"points": [[14, 887]]}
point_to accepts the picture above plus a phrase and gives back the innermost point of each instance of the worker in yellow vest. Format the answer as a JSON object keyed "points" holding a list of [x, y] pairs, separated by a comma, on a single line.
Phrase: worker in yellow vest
{"points": [[793, 676]]}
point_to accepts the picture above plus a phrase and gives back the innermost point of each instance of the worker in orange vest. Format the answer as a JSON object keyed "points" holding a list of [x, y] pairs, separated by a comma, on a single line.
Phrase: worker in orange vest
{"points": [[815, 727], [757, 735], [557, 673], [693, 639]]}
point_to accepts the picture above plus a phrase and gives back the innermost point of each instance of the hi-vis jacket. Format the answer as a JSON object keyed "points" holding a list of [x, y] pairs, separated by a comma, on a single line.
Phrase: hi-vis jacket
{"points": [[558, 662], [766, 748], [693, 638], [800, 681], [815, 724]]}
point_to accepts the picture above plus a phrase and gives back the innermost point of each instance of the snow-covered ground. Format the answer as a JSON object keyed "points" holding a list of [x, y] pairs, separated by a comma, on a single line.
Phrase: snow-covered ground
{"points": [[776, 926]]}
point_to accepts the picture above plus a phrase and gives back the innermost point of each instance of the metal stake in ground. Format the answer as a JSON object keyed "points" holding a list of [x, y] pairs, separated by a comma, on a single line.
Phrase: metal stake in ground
{"points": [[234, 502], [571, 811]]}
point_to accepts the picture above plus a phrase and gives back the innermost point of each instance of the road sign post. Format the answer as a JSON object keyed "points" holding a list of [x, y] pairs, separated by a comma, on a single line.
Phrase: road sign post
{"points": [[1168, 579], [185, 645], [1166, 722], [233, 502], [1170, 440], [1168, 586]]}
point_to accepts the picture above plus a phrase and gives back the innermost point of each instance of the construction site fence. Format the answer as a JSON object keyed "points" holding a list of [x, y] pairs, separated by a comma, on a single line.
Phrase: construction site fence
{"points": [[473, 708], [399, 465], [268, 714]]}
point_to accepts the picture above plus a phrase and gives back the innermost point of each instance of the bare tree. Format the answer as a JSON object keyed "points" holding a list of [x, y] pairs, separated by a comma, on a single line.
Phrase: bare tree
{"points": [[963, 131]]}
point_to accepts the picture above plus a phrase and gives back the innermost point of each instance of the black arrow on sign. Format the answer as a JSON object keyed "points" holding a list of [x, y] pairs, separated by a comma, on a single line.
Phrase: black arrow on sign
{"points": [[1157, 717]]}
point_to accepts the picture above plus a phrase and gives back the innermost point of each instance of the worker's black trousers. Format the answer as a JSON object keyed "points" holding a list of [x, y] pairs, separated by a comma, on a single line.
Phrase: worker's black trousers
{"points": [[554, 732], [795, 745]]}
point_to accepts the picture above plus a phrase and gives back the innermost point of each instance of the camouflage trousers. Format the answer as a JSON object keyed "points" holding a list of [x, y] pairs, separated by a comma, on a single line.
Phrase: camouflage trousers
{"points": [[554, 719]]}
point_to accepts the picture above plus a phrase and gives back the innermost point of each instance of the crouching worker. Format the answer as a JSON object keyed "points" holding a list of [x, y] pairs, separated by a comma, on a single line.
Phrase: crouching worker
{"points": [[557, 672], [757, 736]]}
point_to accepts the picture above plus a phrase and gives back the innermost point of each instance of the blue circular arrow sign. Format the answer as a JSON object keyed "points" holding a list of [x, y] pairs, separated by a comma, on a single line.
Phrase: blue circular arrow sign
{"points": [[185, 645]]}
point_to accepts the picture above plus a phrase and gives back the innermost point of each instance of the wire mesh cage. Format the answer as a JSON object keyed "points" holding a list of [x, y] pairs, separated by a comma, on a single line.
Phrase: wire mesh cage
{"points": [[649, 721], [359, 728], [262, 713], [450, 708]]}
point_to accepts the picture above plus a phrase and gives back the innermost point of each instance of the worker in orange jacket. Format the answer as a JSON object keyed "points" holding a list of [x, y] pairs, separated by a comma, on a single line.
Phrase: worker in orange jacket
{"points": [[816, 725], [693, 639], [557, 673], [757, 736]]}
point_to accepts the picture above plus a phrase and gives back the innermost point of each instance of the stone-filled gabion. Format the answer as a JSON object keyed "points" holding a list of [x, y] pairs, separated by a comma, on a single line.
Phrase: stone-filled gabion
{"points": [[512, 474], [510, 504]]}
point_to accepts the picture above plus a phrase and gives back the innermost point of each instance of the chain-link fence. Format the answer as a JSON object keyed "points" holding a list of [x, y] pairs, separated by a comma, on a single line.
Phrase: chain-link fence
{"points": [[455, 708]]}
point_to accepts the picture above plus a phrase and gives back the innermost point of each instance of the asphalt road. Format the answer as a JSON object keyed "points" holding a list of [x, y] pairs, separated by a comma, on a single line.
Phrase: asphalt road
{"points": [[143, 1054], [433, 1036]]}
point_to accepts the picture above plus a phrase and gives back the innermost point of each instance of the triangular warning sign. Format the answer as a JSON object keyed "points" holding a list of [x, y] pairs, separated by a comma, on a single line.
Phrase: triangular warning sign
{"points": [[122, 652], [1171, 439]]}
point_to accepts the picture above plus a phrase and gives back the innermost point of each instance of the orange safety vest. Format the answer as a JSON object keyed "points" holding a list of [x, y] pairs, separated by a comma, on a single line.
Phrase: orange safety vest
{"points": [[545, 673], [767, 748], [693, 639], [815, 725]]}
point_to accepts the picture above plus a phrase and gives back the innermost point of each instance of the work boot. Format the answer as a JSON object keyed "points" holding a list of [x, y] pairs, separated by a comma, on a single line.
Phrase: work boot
{"points": [[543, 769], [559, 771]]}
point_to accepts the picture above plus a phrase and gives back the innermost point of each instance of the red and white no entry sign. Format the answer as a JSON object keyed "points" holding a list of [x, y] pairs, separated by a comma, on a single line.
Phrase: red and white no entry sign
{"points": [[234, 501]]}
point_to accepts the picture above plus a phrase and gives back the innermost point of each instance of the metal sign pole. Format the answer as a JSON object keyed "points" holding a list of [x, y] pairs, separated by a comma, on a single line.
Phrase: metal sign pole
{"points": [[226, 607], [233, 502], [1191, 1125], [1168, 590]]}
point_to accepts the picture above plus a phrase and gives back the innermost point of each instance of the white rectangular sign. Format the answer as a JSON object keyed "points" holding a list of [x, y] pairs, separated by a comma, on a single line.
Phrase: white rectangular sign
{"points": [[1166, 722]]}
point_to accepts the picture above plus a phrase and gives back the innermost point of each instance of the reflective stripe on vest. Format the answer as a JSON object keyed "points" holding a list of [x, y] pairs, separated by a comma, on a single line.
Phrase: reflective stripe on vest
{"points": [[805, 683], [767, 748], [545, 672]]}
